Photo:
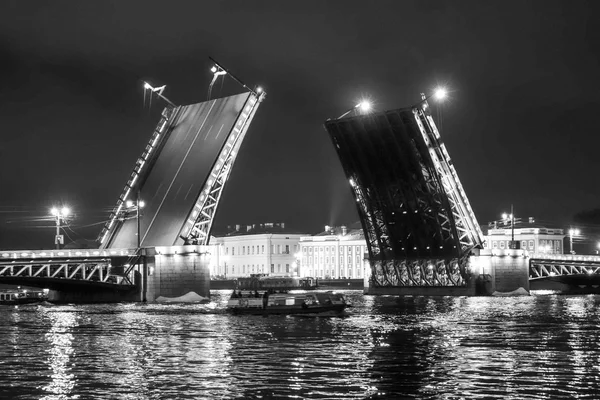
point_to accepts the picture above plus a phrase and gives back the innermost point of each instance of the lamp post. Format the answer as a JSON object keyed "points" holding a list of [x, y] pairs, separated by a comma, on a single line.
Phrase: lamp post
{"points": [[364, 107], [139, 204], [60, 216], [572, 232], [298, 257]]}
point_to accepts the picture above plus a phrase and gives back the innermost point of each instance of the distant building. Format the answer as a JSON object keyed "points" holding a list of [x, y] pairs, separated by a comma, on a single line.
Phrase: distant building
{"points": [[334, 253], [531, 237], [266, 248]]}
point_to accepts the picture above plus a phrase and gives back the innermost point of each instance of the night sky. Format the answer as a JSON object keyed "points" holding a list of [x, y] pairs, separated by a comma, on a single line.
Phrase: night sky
{"points": [[520, 126]]}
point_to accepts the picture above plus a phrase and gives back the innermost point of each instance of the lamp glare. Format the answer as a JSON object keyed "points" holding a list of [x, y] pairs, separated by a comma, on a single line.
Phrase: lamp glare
{"points": [[440, 94], [364, 106]]}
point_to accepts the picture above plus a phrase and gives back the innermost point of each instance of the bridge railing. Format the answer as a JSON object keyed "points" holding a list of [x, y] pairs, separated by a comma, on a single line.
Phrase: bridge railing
{"points": [[74, 264]]}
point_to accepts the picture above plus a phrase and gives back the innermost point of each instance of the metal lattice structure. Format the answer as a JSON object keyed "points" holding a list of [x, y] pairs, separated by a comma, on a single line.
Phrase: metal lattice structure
{"points": [[551, 268], [199, 221], [68, 268], [417, 220], [182, 173], [142, 166]]}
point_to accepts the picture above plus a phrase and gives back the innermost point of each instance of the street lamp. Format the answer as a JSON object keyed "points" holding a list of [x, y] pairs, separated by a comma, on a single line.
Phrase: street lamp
{"points": [[572, 232], [136, 206], [60, 215], [363, 107], [298, 257], [510, 217]]}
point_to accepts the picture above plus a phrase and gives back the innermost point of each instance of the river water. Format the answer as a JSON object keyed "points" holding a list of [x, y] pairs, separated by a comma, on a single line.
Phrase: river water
{"points": [[536, 347]]}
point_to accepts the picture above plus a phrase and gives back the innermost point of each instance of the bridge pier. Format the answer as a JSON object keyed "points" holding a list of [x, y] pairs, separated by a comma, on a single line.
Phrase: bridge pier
{"points": [[176, 271], [505, 270], [490, 272]]}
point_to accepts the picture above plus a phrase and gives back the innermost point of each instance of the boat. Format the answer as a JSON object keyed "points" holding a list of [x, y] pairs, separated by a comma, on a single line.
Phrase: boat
{"points": [[265, 282], [21, 296], [313, 303]]}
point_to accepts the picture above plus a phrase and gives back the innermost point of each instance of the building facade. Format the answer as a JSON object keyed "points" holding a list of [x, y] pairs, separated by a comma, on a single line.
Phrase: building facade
{"points": [[333, 254], [529, 237], [256, 249]]}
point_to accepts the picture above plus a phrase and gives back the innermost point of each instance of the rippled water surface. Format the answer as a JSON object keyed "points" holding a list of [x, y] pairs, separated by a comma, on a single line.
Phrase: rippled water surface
{"points": [[386, 347]]}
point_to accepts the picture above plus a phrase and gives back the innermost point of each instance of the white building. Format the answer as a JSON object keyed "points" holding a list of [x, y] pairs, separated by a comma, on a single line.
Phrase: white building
{"points": [[334, 253], [256, 249], [530, 237]]}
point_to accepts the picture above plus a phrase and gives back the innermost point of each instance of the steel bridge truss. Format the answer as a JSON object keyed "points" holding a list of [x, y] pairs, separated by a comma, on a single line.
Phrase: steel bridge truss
{"points": [[142, 165], [467, 227], [97, 270], [199, 222], [417, 220], [548, 268], [425, 272]]}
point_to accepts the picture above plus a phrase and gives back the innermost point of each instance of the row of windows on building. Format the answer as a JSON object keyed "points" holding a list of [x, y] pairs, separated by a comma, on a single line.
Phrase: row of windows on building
{"points": [[528, 244], [345, 249], [258, 269], [259, 249]]}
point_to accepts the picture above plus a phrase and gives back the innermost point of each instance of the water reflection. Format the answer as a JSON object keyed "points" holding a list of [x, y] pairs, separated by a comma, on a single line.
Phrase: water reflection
{"points": [[387, 347], [60, 350]]}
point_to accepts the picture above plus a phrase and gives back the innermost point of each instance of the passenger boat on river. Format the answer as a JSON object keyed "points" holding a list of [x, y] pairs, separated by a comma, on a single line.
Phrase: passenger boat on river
{"points": [[313, 303], [15, 297]]}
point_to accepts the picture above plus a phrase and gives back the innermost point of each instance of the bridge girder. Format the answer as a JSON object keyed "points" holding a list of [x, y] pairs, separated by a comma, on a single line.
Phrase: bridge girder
{"points": [[412, 206]]}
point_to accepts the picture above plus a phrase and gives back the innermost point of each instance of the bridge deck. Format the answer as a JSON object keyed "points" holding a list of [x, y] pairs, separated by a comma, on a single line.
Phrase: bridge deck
{"points": [[173, 184]]}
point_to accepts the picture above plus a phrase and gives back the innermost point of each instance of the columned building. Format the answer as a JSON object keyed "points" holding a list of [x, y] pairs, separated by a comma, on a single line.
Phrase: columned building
{"points": [[334, 253], [532, 238], [256, 249]]}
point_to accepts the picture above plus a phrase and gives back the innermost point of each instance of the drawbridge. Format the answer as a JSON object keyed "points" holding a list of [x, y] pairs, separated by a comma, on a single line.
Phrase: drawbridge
{"points": [[418, 222], [181, 174]]}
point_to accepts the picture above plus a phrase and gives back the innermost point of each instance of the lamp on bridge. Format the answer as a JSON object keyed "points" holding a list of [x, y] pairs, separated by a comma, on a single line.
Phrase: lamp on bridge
{"points": [[361, 108], [572, 232], [136, 206], [60, 215]]}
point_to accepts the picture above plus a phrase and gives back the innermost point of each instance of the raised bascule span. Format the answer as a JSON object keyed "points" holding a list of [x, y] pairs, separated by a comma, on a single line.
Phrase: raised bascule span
{"points": [[419, 226], [181, 174]]}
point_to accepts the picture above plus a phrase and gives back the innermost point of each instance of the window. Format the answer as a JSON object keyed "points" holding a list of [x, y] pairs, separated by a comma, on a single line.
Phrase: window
{"points": [[252, 249], [524, 244], [233, 269], [321, 249], [310, 260], [287, 268], [287, 249], [531, 245], [310, 250], [278, 249], [233, 251], [243, 269], [278, 267], [272, 268], [243, 250], [502, 243], [226, 250], [263, 249]]}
